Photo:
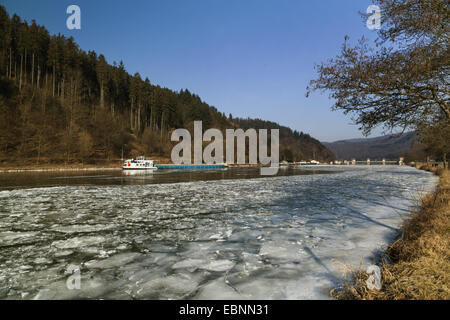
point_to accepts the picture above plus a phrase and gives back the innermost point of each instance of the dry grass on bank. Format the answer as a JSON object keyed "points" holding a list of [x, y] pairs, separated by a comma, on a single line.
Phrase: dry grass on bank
{"points": [[420, 258]]}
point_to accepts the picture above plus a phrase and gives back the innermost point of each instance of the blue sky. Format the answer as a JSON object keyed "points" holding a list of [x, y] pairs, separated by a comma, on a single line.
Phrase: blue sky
{"points": [[251, 58]]}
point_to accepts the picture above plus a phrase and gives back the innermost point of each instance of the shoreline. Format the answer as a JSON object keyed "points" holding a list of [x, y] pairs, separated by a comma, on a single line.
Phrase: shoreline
{"points": [[58, 170], [111, 165], [54, 167], [415, 265], [51, 165]]}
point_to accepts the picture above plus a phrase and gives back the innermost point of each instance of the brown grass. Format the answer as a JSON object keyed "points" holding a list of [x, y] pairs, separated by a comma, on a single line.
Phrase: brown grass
{"points": [[419, 265]]}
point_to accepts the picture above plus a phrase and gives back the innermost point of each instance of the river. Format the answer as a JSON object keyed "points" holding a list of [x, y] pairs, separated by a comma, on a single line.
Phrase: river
{"points": [[224, 234]]}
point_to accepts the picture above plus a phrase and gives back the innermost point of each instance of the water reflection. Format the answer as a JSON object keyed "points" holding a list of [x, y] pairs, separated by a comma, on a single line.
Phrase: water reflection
{"points": [[128, 173], [10, 181]]}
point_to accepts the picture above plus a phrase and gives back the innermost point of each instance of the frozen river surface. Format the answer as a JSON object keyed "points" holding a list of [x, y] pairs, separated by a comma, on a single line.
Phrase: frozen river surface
{"points": [[241, 237]]}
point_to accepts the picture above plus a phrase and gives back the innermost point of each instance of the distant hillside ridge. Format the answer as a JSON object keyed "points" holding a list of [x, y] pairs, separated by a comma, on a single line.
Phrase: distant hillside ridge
{"points": [[390, 147]]}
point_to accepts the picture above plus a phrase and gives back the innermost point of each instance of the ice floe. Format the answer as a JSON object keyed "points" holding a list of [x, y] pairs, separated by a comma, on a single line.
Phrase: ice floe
{"points": [[271, 238]]}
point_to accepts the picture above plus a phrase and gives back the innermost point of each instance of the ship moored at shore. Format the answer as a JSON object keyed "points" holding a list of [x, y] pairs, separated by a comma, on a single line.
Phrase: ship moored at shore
{"points": [[140, 163]]}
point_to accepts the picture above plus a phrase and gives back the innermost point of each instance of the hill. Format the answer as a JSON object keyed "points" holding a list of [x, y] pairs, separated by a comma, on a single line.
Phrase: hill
{"points": [[390, 147], [294, 145], [60, 103]]}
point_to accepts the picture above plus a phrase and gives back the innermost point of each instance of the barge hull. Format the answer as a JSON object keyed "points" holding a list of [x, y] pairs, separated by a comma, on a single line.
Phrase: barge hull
{"points": [[190, 166]]}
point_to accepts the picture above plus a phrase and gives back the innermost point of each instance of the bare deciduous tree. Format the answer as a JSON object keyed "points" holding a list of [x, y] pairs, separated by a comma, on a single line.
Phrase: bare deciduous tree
{"points": [[403, 81]]}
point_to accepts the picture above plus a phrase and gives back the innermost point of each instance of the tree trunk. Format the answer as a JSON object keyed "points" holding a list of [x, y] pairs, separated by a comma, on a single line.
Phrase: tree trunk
{"points": [[53, 78], [162, 124], [131, 113], [10, 63], [62, 88], [139, 118], [445, 160], [20, 78], [38, 76], [102, 96], [32, 72], [75, 91], [25, 68]]}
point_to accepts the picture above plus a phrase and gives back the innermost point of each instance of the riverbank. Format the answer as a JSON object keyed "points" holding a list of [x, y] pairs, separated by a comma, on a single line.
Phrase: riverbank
{"points": [[32, 165], [419, 259], [235, 235]]}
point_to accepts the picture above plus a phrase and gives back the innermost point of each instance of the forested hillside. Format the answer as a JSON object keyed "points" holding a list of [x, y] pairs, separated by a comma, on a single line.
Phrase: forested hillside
{"points": [[59, 102], [294, 146]]}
